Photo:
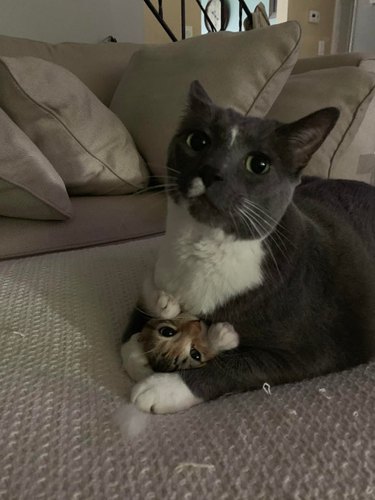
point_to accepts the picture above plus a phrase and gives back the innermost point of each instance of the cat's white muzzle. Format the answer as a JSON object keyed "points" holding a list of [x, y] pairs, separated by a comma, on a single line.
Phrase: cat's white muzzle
{"points": [[197, 188]]}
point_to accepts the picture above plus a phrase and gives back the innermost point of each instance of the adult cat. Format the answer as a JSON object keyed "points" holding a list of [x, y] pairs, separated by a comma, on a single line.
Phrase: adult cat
{"points": [[290, 264]]}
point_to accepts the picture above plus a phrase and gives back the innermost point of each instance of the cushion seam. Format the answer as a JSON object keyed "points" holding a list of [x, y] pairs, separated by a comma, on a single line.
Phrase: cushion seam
{"points": [[50, 112], [80, 246], [41, 198], [291, 53], [347, 129]]}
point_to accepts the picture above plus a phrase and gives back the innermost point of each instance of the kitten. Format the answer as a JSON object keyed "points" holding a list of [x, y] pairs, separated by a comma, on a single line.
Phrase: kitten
{"points": [[182, 343], [289, 263]]}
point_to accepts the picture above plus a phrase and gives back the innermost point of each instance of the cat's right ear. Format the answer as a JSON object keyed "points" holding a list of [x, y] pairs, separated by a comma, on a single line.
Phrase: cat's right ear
{"points": [[302, 138], [198, 100]]}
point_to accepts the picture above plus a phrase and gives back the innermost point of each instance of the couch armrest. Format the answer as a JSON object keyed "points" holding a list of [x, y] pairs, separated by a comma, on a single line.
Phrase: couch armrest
{"points": [[331, 61]]}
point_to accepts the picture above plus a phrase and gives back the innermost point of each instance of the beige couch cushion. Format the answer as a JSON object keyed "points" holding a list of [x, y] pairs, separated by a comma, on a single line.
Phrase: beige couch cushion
{"points": [[85, 142], [98, 220], [305, 64], [357, 161], [99, 66], [245, 71], [351, 89], [30, 188]]}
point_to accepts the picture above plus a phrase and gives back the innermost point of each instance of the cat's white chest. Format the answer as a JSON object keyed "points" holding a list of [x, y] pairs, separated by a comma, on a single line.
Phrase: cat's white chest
{"points": [[203, 267]]}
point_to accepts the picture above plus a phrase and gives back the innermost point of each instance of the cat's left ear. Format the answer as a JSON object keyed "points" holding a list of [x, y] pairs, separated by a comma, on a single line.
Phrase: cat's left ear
{"points": [[300, 139], [199, 100]]}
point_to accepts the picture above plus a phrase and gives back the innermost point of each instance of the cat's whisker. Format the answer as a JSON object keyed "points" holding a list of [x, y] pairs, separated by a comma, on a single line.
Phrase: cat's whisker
{"points": [[264, 212], [159, 187], [255, 222], [172, 170], [163, 177], [276, 231], [164, 185], [150, 351], [156, 190], [232, 216], [163, 167], [266, 226], [142, 311], [247, 219], [278, 225], [271, 235], [273, 257]]}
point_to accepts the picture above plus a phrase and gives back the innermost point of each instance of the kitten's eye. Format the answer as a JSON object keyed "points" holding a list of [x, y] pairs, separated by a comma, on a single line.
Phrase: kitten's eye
{"points": [[197, 141], [167, 331], [258, 163], [195, 354]]}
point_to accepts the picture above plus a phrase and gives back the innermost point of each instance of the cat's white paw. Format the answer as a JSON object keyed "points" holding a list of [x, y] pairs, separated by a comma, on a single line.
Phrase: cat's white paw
{"points": [[222, 336], [157, 302], [134, 359], [163, 393], [167, 307]]}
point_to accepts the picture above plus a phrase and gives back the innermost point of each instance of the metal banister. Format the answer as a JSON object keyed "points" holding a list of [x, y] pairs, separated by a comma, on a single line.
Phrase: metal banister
{"points": [[159, 15]]}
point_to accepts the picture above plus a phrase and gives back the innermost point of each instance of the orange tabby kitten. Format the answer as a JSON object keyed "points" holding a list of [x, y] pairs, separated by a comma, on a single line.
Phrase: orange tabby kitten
{"points": [[184, 342]]}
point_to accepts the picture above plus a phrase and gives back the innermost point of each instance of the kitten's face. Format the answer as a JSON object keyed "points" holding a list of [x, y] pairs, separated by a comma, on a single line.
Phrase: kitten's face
{"points": [[239, 173], [176, 344]]}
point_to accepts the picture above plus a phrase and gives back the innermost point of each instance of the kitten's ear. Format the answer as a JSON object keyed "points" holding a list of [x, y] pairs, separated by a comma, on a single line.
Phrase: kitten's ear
{"points": [[198, 99], [302, 138]]}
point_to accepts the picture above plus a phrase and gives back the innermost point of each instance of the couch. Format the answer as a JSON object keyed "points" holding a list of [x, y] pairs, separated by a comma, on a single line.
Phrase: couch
{"points": [[66, 292]]}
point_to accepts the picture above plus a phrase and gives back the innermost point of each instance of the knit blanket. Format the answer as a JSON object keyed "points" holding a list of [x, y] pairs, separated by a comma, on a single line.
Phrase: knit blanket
{"points": [[67, 432]]}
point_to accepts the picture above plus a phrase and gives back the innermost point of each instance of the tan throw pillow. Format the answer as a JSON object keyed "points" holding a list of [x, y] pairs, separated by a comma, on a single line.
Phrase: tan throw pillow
{"points": [[350, 89], [30, 188], [245, 71], [86, 143], [98, 65]]}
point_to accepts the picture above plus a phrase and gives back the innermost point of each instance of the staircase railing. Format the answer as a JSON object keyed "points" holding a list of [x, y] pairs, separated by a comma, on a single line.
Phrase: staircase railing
{"points": [[158, 13]]}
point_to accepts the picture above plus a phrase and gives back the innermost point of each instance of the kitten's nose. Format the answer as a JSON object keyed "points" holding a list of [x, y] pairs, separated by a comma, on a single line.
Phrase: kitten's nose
{"points": [[209, 175]]}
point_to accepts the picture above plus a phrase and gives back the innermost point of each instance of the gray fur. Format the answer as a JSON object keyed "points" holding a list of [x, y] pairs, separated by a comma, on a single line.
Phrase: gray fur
{"points": [[315, 313]]}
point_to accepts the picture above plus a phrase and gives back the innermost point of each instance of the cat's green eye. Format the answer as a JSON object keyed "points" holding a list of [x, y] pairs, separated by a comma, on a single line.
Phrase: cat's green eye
{"points": [[197, 141], [196, 355], [167, 331], [258, 163]]}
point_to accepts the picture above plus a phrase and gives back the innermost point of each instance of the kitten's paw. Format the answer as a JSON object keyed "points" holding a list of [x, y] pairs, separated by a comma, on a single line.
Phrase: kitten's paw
{"points": [[163, 393], [134, 359], [223, 337], [167, 307]]}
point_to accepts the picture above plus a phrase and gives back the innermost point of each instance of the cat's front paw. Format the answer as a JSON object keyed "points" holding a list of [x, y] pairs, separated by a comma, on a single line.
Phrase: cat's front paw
{"points": [[158, 303], [163, 393], [134, 359], [222, 336], [167, 307]]}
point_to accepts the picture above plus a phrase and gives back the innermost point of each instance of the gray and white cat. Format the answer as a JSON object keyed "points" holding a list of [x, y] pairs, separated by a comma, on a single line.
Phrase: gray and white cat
{"points": [[289, 263]]}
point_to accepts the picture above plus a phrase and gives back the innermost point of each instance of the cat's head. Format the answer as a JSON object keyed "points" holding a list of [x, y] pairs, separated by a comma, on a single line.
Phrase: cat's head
{"points": [[177, 344], [236, 172]]}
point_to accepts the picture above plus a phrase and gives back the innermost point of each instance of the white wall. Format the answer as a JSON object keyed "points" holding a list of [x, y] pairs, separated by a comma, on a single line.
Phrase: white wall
{"points": [[72, 20], [364, 27]]}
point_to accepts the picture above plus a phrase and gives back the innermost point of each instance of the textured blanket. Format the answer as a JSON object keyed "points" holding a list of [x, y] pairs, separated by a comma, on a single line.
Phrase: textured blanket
{"points": [[65, 430]]}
